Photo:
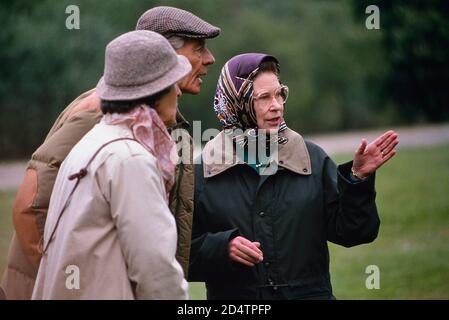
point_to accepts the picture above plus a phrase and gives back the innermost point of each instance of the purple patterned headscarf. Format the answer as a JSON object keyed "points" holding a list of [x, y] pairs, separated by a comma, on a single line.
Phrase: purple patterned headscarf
{"points": [[233, 102]]}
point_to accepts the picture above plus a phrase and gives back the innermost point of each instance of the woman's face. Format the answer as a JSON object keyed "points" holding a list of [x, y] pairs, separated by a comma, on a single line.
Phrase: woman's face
{"points": [[167, 105], [268, 104]]}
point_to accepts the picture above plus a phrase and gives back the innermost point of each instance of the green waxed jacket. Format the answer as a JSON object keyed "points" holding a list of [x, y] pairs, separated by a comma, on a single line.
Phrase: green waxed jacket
{"points": [[292, 213]]}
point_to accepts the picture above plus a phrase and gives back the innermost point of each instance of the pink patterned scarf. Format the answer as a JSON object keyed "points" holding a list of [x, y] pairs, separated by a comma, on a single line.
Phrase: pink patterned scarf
{"points": [[149, 130]]}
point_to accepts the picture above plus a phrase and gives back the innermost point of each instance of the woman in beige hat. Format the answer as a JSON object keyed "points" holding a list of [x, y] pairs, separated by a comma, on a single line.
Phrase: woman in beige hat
{"points": [[188, 35], [109, 232]]}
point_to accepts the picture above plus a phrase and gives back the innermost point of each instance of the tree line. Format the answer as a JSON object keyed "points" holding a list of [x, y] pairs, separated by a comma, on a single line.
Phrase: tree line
{"points": [[341, 75]]}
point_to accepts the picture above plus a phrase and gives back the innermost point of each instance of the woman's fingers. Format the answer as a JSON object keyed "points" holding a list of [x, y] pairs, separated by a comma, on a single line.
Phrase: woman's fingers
{"points": [[253, 255], [251, 245], [389, 148], [241, 254], [242, 261], [390, 155], [380, 140], [244, 251], [361, 149], [391, 139]]}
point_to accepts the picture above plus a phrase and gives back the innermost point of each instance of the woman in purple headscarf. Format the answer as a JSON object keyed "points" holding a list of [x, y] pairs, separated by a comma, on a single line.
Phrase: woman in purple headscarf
{"points": [[267, 201]]}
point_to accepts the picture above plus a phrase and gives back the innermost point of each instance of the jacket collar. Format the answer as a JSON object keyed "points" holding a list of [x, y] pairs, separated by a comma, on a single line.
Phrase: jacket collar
{"points": [[120, 130], [293, 155]]}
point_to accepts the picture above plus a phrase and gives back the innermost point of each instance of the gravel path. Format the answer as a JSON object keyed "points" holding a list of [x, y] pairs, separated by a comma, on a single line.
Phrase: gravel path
{"points": [[11, 173], [408, 137]]}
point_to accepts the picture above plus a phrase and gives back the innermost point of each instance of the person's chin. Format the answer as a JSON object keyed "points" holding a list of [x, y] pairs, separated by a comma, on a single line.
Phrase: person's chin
{"points": [[273, 126], [170, 122]]}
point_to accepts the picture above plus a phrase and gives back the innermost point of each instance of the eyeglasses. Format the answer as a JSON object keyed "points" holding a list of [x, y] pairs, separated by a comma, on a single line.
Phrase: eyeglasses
{"points": [[265, 98]]}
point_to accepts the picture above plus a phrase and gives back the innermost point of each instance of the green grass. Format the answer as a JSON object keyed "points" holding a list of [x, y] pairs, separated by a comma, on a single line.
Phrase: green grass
{"points": [[412, 250], [197, 291]]}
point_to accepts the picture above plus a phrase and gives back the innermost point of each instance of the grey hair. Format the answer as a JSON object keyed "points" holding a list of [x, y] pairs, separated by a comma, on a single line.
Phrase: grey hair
{"points": [[176, 42]]}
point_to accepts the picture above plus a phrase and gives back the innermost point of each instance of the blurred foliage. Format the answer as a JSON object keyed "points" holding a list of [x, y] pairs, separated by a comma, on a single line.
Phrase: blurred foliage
{"points": [[341, 75], [415, 38]]}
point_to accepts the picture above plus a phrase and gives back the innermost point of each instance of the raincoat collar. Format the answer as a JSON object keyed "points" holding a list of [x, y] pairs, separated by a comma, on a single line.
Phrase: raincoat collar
{"points": [[293, 155]]}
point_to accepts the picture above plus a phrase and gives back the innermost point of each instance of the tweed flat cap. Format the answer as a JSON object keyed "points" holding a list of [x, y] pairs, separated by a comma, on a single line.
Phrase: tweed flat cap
{"points": [[139, 64], [170, 21]]}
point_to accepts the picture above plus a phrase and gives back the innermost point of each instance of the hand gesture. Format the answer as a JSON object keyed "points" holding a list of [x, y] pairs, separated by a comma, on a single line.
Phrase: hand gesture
{"points": [[369, 157], [244, 251]]}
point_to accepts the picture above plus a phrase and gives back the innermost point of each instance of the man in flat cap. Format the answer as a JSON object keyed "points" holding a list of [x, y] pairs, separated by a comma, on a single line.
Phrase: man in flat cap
{"points": [[187, 34]]}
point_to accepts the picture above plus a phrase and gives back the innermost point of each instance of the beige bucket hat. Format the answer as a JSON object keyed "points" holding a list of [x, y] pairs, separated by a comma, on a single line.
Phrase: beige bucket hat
{"points": [[139, 64]]}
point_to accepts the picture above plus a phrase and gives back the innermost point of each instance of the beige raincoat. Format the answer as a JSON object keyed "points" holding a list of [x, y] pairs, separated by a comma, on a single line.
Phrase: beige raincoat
{"points": [[117, 238]]}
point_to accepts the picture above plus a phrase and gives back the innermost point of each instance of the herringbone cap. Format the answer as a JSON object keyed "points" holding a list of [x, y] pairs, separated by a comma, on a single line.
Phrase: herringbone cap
{"points": [[169, 21]]}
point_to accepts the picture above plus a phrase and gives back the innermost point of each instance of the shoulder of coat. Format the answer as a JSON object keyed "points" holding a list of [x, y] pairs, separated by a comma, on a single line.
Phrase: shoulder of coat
{"points": [[88, 101]]}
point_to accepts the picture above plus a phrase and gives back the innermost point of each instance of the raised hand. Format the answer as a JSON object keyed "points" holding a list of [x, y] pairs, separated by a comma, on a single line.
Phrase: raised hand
{"points": [[369, 157], [244, 251]]}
